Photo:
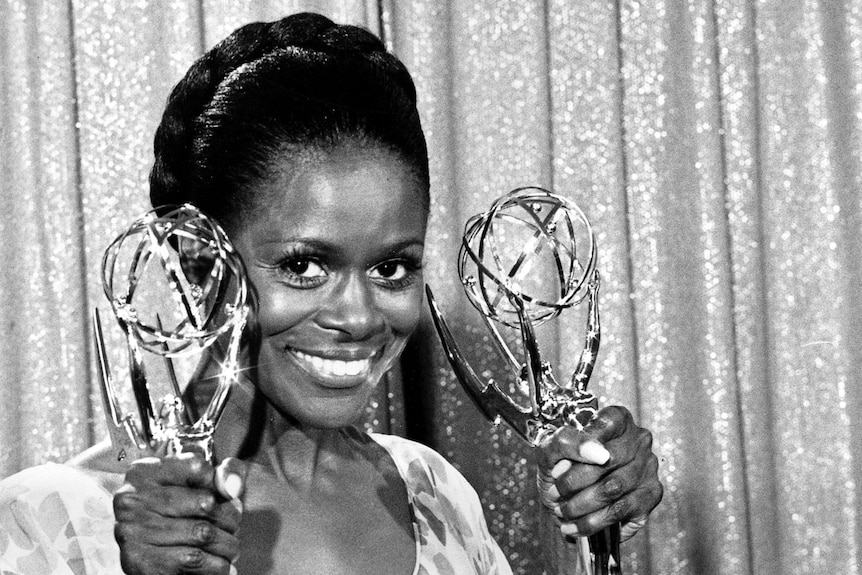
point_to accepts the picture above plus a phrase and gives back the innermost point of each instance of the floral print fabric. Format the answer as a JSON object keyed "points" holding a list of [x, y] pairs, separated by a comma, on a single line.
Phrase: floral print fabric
{"points": [[58, 520], [452, 537]]}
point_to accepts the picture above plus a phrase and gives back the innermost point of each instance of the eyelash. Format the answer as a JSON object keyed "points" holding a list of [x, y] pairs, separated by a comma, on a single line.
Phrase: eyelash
{"points": [[299, 255], [411, 271]]}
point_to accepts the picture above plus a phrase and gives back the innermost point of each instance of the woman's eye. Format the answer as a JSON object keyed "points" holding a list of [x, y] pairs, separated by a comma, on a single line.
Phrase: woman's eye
{"points": [[395, 274], [303, 272], [304, 267], [390, 271]]}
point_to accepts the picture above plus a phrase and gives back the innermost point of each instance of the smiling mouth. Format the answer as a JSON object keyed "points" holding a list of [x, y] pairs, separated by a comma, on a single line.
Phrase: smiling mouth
{"points": [[334, 368]]}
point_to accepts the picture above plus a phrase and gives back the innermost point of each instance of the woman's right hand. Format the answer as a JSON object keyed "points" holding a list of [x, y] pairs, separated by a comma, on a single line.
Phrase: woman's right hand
{"points": [[179, 514]]}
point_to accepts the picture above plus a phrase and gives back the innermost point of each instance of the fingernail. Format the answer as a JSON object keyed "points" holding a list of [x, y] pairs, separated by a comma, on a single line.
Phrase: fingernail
{"points": [[569, 529], [557, 510], [561, 467], [232, 485], [553, 493], [594, 452]]}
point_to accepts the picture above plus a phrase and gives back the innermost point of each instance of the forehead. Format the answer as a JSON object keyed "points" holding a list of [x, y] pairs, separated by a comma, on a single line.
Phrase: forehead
{"points": [[349, 192]]}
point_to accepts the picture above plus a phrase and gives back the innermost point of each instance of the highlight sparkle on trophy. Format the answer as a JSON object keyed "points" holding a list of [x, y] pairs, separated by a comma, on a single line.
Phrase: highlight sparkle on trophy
{"points": [[177, 288], [529, 257]]}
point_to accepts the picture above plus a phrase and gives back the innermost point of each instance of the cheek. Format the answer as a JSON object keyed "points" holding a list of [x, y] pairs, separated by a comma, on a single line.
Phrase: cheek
{"points": [[403, 311], [279, 308]]}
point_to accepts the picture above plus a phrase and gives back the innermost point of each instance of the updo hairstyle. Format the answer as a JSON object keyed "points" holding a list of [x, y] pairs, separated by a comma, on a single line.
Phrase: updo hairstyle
{"points": [[274, 90]]}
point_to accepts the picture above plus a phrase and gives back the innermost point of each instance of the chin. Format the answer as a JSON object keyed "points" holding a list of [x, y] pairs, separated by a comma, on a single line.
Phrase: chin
{"points": [[331, 414], [319, 407]]}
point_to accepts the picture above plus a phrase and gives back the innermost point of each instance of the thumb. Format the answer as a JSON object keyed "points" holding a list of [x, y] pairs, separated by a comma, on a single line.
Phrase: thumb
{"points": [[230, 479], [567, 444]]}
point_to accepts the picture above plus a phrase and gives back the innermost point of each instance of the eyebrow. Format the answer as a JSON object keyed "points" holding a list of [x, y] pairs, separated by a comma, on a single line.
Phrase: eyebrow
{"points": [[329, 248]]}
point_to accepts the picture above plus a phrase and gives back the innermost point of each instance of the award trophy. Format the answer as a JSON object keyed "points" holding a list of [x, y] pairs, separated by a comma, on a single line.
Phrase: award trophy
{"points": [[176, 286], [525, 260]]}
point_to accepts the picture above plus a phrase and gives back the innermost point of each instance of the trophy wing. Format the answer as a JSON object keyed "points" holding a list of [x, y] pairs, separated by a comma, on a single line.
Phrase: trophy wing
{"points": [[487, 397]]}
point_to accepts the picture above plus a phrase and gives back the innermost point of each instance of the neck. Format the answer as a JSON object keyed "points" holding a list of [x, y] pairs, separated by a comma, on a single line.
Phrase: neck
{"points": [[301, 455], [253, 430]]}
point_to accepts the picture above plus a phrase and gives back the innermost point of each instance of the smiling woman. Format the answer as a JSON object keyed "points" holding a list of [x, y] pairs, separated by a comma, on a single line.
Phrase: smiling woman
{"points": [[303, 139], [336, 259]]}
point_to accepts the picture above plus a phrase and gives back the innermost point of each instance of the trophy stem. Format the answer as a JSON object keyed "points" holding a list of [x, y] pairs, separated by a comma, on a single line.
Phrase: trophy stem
{"points": [[532, 358], [501, 344]]}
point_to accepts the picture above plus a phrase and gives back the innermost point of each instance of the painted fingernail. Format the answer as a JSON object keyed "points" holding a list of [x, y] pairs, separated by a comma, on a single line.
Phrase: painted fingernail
{"points": [[569, 529], [594, 452], [561, 467], [232, 485], [557, 510], [553, 493]]}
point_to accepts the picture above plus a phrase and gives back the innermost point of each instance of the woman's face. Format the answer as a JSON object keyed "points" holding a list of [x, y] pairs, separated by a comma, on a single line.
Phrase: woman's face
{"points": [[334, 250]]}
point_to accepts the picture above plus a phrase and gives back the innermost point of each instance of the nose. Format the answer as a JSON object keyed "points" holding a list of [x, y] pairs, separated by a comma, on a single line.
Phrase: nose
{"points": [[353, 310]]}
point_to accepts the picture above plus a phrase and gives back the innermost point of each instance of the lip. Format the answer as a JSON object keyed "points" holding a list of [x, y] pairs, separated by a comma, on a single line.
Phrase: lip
{"points": [[336, 369]]}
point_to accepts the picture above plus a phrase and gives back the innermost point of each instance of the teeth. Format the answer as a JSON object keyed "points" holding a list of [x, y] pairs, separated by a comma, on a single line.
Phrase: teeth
{"points": [[335, 367]]}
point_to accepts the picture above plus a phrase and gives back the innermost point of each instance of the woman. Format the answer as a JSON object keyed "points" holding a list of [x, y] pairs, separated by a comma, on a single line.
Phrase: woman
{"points": [[302, 138]]}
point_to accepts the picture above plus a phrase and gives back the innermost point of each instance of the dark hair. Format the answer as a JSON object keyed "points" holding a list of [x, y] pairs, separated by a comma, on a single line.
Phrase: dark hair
{"points": [[300, 83]]}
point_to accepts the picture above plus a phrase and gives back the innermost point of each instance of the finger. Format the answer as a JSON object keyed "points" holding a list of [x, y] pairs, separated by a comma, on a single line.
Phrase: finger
{"points": [[147, 559], [599, 495], [185, 469], [628, 508], [167, 500], [631, 454], [588, 445], [609, 423], [157, 531], [230, 478], [633, 478], [569, 444], [632, 526], [130, 503]]}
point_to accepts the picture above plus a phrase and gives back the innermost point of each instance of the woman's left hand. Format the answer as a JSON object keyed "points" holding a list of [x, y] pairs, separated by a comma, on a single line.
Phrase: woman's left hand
{"points": [[602, 475]]}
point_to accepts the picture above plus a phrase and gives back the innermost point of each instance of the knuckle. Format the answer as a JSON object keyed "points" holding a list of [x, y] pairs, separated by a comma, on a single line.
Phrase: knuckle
{"points": [[207, 503], [193, 558], [121, 533], [612, 488], [196, 465], [124, 501], [610, 421], [645, 438], [131, 561], [203, 532]]}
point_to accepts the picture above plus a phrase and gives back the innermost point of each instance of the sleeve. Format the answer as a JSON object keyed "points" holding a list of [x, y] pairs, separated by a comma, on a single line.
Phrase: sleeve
{"points": [[56, 520]]}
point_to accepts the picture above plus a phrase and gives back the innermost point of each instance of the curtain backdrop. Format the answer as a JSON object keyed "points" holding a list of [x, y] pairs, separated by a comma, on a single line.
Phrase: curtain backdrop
{"points": [[714, 144]]}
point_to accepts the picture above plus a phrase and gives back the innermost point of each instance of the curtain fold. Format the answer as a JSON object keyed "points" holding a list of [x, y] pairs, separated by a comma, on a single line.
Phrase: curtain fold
{"points": [[714, 145]]}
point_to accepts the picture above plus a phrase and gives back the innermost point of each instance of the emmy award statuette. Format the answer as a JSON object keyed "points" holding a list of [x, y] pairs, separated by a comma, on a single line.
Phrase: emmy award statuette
{"points": [[528, 258], [176, 287]]}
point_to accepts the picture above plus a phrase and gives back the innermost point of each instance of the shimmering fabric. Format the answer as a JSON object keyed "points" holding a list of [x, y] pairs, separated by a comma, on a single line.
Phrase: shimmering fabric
{"points": [[715, 145]]}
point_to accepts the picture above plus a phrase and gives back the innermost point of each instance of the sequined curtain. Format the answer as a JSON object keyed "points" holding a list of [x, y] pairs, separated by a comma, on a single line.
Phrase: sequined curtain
{"points": [[714, 144]]}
